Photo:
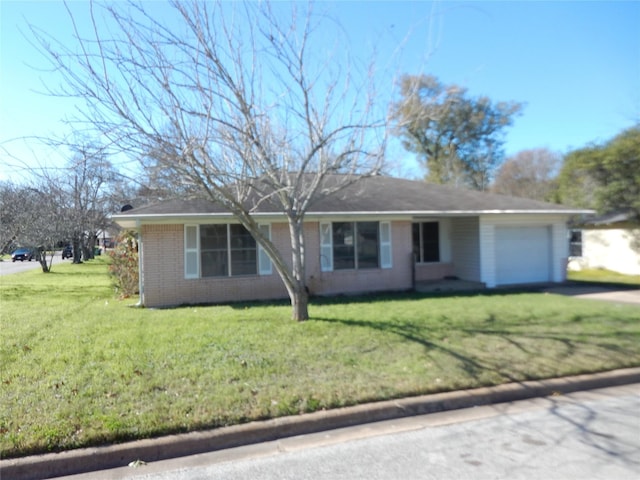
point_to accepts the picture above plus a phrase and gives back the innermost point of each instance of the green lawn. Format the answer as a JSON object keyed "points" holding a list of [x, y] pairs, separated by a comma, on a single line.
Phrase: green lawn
{"points": [[603, 276], [81, 368]]}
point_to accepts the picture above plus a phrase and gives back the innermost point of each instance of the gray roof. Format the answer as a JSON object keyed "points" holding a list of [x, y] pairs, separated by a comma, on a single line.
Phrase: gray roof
{"points": [[375, 195], [612, 218]]}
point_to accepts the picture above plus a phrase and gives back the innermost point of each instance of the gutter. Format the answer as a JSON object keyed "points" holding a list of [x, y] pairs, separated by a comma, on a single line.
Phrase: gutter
{"points": [[125, 219]]}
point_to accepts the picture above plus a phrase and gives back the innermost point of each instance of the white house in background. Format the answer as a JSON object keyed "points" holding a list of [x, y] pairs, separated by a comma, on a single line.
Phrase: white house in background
{"points": [[611, 242], [379, 234]]}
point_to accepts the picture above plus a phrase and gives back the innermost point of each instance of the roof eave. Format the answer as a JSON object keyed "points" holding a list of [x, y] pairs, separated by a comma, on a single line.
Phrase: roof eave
{"points": [[133, 221]]}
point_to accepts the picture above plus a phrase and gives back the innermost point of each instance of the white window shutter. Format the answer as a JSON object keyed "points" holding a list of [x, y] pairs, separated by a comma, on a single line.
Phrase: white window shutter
{"points": [[326, 247], [191, 260], [264, 262], [385, 245]]}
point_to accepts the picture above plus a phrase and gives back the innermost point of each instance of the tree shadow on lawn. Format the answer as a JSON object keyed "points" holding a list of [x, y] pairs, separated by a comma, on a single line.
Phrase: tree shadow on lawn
{"points": [[476, 366], [367, 298]]}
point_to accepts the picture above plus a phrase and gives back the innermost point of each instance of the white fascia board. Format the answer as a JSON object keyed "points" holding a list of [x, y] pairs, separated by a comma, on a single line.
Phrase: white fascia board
{"points": [[446, 213], [128, 221], [132, 221]]}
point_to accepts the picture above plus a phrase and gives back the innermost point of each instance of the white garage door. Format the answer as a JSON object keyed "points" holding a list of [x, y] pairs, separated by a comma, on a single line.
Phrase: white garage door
{"points": [[523, 255]]}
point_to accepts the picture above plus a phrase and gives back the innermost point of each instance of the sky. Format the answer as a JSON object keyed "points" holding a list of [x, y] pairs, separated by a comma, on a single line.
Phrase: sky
{"points": [[574, 65]]}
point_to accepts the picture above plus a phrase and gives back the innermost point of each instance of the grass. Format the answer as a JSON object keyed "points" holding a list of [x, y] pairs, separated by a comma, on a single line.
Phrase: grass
{"points": [[81, 368], [600, 275]]}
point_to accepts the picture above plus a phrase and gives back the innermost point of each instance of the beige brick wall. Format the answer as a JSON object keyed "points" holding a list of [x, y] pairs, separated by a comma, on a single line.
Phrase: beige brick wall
{"points": [[165, 283]]}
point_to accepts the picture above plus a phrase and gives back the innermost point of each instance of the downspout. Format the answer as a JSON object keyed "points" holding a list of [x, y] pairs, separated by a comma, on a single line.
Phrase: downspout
{"points": [[140, 262]]}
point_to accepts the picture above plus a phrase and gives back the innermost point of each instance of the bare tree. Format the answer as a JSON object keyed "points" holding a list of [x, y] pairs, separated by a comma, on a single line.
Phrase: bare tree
{"points": [[247, 103], [12, 199], [33, 216], [60, 205], [528, 174], [87, 186]]}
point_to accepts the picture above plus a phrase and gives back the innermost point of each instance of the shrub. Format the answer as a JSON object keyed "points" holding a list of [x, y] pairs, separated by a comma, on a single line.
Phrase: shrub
{"points": [[124, 265]]}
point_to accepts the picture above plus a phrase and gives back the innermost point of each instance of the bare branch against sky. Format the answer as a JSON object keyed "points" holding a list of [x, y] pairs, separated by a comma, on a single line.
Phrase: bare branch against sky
{"points": [[247, 102]]}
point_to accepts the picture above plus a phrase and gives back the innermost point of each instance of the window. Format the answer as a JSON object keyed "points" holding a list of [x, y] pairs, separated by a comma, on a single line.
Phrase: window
{"points": [[355, 245], [426, 242], [344, 247], [244, 255], [214, 256], [223, 250], [575, 243]]}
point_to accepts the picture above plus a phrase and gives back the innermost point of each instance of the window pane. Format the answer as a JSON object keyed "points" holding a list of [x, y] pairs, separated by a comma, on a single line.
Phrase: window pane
{"points": [[430, 242], [244, 257], [575, 243], [343, 246], [213, 251], [244, 262], [368, 251], [214, 263], [213, 237]]}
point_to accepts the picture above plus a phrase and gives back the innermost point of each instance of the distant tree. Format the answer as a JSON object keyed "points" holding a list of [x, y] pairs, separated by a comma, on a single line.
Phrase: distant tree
{"points": [[33, 217], [528, 174], [68, 205], [87, 187], [457, 137], [605, 177], [12, 200], [246, 102]]}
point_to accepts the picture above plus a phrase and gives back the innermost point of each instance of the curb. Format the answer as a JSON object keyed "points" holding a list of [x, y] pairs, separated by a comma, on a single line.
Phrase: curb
{"points": [[173, 446]]}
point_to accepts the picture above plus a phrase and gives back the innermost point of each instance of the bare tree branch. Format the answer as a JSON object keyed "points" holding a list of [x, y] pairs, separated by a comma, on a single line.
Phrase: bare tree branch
{"points": [[243, 101]]}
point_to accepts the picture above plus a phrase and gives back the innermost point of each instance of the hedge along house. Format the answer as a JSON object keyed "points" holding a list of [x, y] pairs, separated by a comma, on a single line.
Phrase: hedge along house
{"points": [[379, 234]]}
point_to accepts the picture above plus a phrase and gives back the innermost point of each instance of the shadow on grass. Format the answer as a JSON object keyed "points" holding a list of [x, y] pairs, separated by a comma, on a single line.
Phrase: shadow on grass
{"points": [[602, 285], [470, 365], [318, 300], [367, 298], [476, 364]]}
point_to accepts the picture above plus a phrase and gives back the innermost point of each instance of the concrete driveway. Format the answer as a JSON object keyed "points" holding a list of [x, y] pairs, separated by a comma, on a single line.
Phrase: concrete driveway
{"points": [[598, 292]]}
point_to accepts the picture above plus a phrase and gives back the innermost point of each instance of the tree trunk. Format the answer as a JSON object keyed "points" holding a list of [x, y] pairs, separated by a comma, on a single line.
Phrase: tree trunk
{"points": [[41, 257], [77, 252], [300, 304], [299, 293]]}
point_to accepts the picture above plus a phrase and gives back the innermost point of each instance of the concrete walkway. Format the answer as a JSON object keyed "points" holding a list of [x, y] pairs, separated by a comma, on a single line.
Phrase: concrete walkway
{"points": [[602, 293], [173, 446]]}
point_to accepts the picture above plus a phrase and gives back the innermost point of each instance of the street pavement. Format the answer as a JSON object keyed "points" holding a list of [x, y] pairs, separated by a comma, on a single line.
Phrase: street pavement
{"points": [[7, 267], [583, 435]]}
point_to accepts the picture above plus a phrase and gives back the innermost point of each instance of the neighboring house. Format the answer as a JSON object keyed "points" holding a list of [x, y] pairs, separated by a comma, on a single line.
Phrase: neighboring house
{"points": [[611, 242], [379, 234]]}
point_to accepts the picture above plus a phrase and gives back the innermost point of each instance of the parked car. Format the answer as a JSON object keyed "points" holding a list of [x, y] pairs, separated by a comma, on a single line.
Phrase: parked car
{"points": [[22, 254], [67, 252]]}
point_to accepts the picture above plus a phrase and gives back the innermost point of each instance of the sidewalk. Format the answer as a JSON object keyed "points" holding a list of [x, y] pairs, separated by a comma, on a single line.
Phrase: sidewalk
{"points": [[113, 456]]}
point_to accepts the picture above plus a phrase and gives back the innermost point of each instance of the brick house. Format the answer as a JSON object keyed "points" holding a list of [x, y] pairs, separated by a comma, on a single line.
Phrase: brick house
{"points": [[380, 234]]}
